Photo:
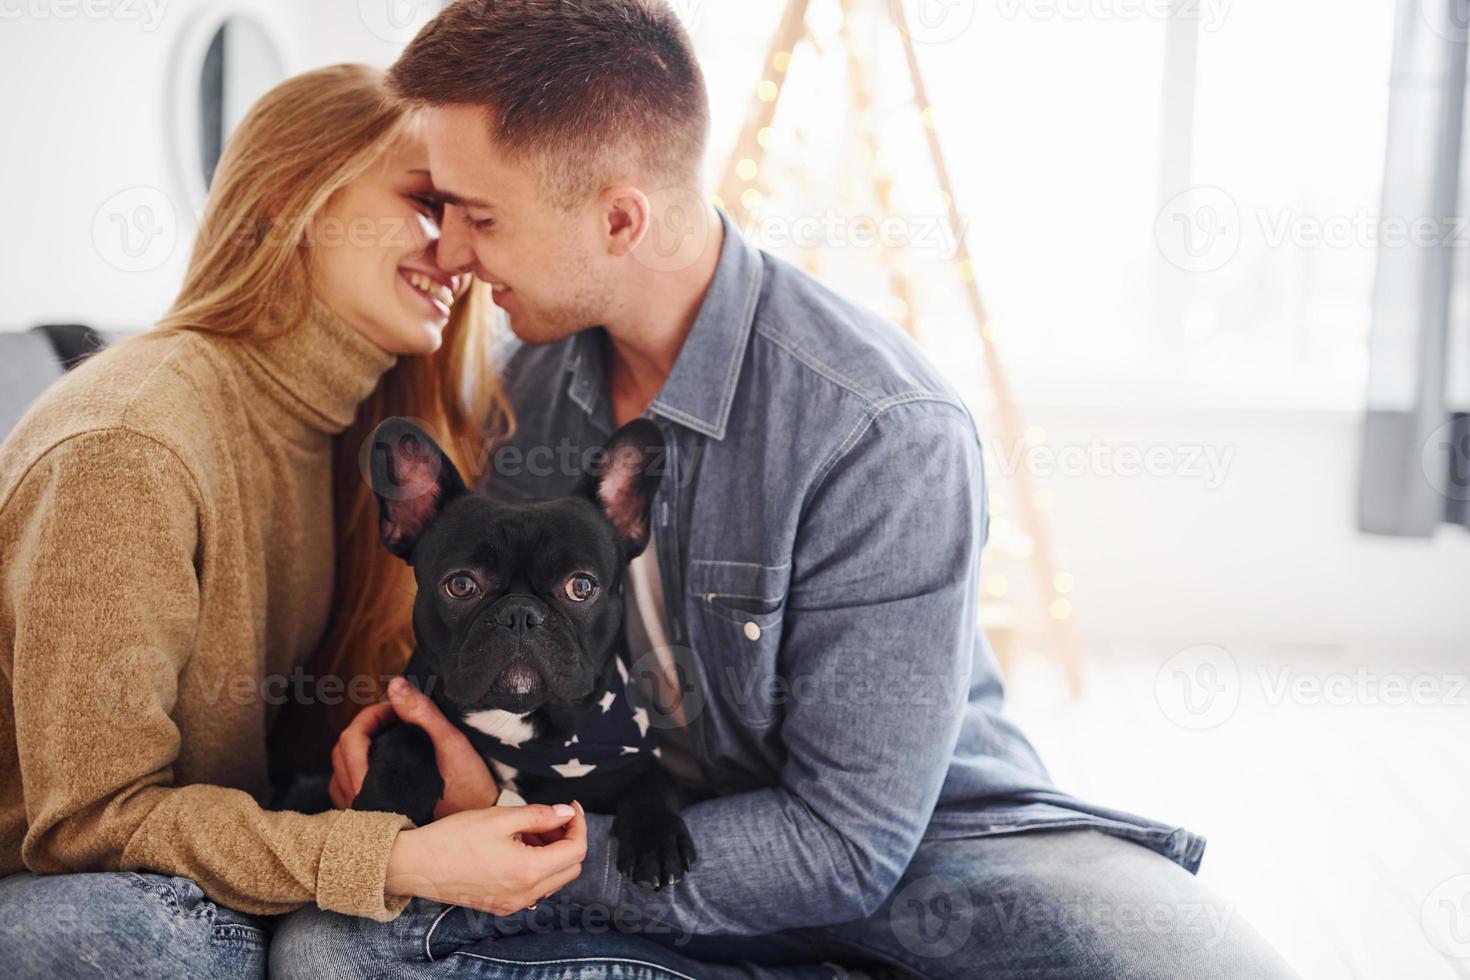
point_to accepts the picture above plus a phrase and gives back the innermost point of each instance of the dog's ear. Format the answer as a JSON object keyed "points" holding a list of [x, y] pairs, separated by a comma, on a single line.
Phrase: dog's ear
{"points": [[413, 480], [623, 480]]}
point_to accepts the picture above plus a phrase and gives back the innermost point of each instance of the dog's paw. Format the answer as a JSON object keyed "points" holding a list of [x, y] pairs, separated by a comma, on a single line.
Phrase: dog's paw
{"points": [[654, 849], [376, 798]]}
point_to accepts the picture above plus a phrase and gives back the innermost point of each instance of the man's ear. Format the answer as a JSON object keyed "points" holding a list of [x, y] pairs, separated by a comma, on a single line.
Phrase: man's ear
{"points": [[628, 216], [413, 480], [624, 480]]}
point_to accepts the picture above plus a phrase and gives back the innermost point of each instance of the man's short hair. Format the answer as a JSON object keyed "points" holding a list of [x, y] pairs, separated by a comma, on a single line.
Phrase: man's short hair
{"points": [[575, 87]]}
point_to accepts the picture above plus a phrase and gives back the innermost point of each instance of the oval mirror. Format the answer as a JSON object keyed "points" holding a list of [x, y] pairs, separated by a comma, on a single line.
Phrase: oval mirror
{"points": [[224, 64]]}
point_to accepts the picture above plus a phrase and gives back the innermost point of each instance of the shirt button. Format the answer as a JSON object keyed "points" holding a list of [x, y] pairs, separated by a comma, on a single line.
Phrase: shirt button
{"points": [[752, 631]]}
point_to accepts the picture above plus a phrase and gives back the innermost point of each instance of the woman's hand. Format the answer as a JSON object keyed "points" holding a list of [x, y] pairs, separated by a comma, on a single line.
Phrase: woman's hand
{"points": [[468, 784], [479, 860]]}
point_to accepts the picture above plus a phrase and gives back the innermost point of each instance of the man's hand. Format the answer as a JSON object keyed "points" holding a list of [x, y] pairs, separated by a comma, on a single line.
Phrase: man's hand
{"points": [[468, 784]]}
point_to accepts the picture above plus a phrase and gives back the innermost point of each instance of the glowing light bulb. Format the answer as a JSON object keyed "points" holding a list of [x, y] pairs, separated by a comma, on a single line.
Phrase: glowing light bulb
{"points": [[747, 169], [767, 91], [1061, 608], [1063, 582], [781, 61], [764, 137]]}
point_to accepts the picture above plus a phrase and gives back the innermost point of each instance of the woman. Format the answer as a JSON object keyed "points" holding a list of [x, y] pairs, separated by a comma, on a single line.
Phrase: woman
{"points": [[170, 566]]}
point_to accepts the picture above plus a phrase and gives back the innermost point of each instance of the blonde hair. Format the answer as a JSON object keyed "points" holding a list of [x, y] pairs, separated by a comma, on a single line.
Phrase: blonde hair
{"points": [[250, 275]]}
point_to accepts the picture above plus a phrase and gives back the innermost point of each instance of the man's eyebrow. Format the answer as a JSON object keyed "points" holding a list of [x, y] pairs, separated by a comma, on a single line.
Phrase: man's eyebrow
{"points": [[449, 197], [460, 200]]}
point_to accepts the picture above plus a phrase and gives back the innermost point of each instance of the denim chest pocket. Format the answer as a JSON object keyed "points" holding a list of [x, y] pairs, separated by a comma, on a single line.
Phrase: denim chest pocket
{"points": [[742, 592], [741, 606]]}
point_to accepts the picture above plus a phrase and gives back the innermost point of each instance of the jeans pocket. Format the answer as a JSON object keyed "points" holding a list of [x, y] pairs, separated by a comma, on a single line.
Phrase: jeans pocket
{"points": [[184, 897]]}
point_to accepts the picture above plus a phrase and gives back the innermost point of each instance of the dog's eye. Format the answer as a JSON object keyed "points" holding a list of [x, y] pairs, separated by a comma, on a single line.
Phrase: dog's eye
{"points": [[461, 586], [580, 588]]}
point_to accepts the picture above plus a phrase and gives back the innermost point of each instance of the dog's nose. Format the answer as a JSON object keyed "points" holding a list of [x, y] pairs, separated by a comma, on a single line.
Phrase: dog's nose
{"points": [[520, 614]]}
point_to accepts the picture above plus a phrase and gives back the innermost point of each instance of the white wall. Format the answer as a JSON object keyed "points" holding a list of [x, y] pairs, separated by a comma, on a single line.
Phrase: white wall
{"points": [[1267, 549], [88, 115]]}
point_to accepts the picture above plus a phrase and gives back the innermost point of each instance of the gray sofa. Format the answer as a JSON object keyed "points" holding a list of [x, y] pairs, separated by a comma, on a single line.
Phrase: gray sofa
{"points": [[31, 360]]}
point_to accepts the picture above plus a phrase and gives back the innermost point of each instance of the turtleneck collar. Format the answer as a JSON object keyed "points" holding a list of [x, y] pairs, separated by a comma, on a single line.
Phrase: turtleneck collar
{"points": [[321, 369]]}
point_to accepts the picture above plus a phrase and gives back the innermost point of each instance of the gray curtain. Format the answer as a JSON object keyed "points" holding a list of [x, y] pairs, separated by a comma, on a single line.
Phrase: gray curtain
{"points": [[1416, 444]]}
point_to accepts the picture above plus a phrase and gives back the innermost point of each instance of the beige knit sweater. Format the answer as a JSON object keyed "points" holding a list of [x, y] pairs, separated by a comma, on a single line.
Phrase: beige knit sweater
{"points": [[165, 550]]}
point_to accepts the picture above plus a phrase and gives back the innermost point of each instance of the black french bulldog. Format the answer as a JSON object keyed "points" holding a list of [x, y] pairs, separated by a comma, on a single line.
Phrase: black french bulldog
{"points": [[519, 637]]}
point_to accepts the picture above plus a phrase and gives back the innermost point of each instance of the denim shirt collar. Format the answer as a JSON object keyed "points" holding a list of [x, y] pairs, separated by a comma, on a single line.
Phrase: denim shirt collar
{"points": [[701, 388]]}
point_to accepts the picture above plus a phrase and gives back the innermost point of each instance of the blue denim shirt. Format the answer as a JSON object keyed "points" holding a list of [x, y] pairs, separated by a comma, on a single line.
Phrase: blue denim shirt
{"points": [[818, 535]]}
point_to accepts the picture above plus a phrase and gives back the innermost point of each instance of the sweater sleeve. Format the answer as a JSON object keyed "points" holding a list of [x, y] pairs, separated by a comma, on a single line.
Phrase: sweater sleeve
{"points": [[101, 588]]}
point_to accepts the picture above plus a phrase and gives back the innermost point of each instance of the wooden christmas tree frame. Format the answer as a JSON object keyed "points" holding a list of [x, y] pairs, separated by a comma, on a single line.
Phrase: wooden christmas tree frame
{"points": [[739, 197]]}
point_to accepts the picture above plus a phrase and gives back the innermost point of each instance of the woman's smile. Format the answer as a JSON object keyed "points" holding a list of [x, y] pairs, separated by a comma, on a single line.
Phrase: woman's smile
{"points": [[435, 291]]}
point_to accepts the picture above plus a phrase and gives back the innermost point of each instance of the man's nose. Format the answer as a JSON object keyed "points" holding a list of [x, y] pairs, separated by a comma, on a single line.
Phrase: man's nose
{"points": [[520, 614], [454, 252]]}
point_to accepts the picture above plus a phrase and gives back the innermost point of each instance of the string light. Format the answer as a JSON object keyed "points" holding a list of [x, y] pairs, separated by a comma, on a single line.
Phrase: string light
{"points": [[1008, 538]]}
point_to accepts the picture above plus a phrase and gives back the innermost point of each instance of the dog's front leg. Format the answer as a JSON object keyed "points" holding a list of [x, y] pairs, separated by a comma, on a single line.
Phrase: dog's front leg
{"points": [[402, 775], [654, 846]]}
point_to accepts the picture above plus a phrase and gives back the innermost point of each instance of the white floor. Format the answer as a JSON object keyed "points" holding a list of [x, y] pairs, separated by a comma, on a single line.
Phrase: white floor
{"points": [[1333, 788]]}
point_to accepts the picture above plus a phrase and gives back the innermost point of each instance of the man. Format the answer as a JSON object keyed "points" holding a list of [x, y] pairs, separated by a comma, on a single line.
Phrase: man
{"points": [[806, 616]]}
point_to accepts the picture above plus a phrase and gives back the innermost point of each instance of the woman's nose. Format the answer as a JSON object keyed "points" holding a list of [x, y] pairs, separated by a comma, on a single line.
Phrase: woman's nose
{"points": [[429, 229]]}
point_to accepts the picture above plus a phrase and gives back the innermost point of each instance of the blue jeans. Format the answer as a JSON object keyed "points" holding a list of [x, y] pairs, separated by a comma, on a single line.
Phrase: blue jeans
{"points": [[124, 924], [136, 924], [1074, 904]]}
